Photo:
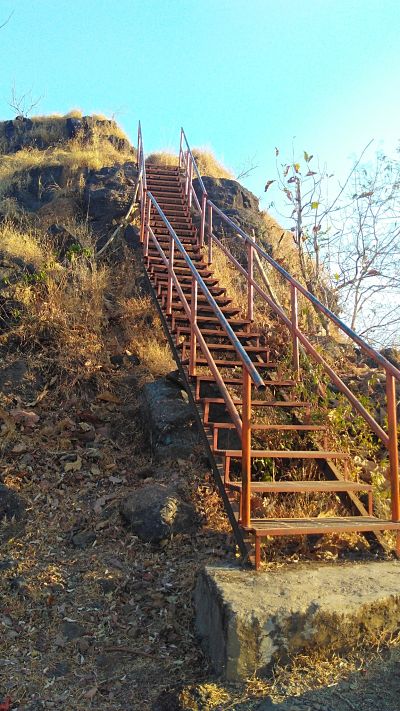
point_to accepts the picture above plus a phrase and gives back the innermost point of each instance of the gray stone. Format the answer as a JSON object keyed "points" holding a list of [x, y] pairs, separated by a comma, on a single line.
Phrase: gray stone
{"points": [[63, 240], [72, 630], [59, 670], [11, 505], [83, 539], [248, 621], [170, 420], [239, 204], [155, 512]]}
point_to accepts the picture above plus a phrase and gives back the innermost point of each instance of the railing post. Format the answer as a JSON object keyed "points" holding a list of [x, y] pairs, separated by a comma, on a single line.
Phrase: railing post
{"points": [[393, 449], [203, 218], [180, 151], [190, 183], [146, 228], [295, 324], [250, 276], [210, 231], [170, 274], [245, 501], [187, 174], [193, 321], [143, 207]]}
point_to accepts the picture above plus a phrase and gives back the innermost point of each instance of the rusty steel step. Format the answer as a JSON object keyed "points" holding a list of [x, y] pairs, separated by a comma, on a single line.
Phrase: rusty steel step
{"points": [[161, 269], [220, 333], [303, 487], [282, 454], [316, 526]]}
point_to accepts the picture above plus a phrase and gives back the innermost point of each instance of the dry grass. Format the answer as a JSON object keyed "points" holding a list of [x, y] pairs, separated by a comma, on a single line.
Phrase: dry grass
{"points": [[63, 306], [206, 161], [162, 158], [208, 164], [145, 337], [14, 168], [23, 245]]}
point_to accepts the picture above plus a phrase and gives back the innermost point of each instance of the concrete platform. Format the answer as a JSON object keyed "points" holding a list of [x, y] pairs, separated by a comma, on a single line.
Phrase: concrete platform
{"points": [[247, 621]]}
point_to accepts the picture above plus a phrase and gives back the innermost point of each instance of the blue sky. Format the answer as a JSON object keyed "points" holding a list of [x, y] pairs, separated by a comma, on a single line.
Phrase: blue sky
{"points": [[241, 77]]}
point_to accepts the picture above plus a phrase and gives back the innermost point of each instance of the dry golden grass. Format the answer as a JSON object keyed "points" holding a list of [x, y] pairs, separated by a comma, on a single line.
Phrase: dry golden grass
{"points": [[63, 306], [162, 158], [145, 335], [208, 164], [22, 244], [14, 168], [205, 159], [92, 151]]}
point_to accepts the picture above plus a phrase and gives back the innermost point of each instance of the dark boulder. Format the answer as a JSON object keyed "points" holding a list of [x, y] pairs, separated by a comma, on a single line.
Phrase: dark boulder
{"points": [[170, 420], [239, 204], [392, 354], [155, 512], [63, 240], [108, 194], [12, 513]]}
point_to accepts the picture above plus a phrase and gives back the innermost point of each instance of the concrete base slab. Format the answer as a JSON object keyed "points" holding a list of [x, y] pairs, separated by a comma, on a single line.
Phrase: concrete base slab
{"points": [[248, 621]]}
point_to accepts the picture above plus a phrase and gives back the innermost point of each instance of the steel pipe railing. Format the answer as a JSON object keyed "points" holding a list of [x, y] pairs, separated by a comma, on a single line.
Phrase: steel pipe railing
{"points": [[389, 438]]}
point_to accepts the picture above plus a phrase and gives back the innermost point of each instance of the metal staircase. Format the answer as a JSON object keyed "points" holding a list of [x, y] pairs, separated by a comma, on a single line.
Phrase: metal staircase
{"points": [[246, 409]]}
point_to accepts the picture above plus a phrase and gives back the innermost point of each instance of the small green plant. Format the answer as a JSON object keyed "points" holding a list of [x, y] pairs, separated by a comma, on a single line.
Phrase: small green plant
{"points": [[76, 250]]}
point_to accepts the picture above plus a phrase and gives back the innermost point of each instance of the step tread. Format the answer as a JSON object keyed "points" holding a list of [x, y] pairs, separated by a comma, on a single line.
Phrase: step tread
{"points": [[301, 486], [259, 403], [284, 454], [302, 526]]}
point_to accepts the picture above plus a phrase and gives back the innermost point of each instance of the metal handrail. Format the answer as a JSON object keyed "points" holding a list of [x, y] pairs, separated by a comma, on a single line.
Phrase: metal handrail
{"points": [[389, 438], [378, 357], [241, 352], [183, 135]]}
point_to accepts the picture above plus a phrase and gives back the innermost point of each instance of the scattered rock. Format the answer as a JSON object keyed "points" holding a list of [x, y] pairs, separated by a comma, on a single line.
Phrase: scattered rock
{"points": [[63, 240], [170, 420], [59, 670], [83, 539], [18, 378], [72, 630], [11, 505], [155, 512]]}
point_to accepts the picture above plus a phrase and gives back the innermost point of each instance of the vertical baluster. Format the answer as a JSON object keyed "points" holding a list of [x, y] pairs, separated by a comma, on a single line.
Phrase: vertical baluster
{"points": [[203, 219], [193, 321], [393, 449], [146, 228], [246, 449], [210, 230], [190, 183], [295, 324], [180, 150], [250, 287], [170, 272], [186, 173], [143, 207]]}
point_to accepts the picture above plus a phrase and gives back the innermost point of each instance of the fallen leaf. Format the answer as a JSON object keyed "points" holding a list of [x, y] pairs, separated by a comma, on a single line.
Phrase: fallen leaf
{"points": [[91, 693], [25, 417], [75, 466], [106, 396]]}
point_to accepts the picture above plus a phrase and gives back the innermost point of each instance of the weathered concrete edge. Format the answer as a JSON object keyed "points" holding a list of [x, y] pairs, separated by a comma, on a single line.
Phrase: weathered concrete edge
{"points": [[243, 633]]}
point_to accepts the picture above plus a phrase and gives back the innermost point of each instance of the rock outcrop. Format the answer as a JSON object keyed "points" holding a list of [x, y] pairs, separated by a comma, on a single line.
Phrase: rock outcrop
{"points": [[156, 512]]}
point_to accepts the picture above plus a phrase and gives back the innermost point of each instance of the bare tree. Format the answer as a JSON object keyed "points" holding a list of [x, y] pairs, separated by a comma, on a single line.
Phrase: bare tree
{"points": [[349, 246], [23, 104], [7, 20]]}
